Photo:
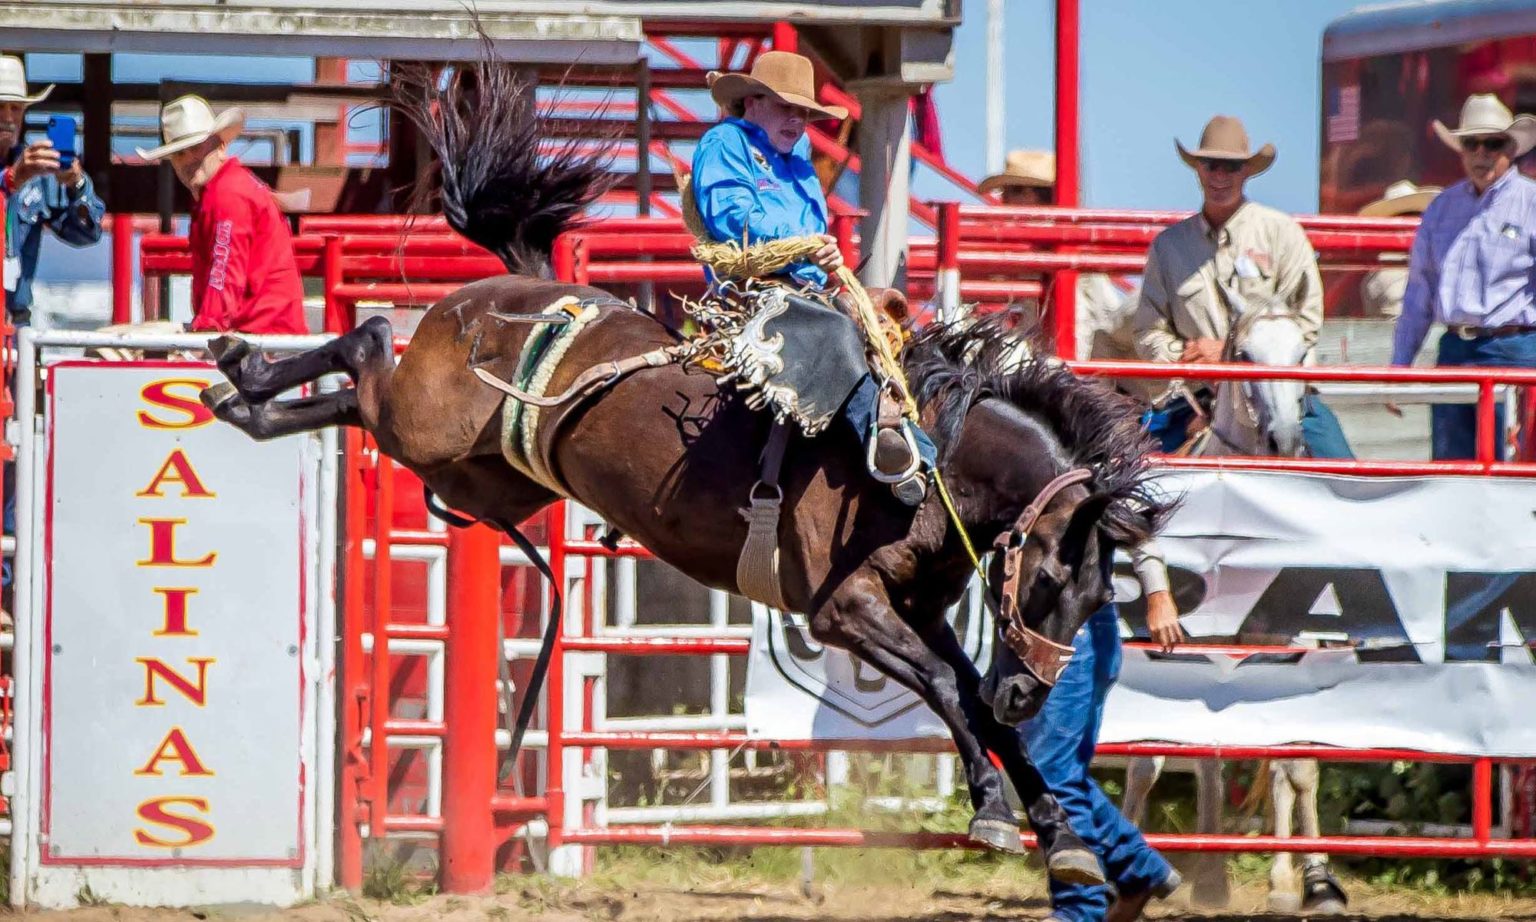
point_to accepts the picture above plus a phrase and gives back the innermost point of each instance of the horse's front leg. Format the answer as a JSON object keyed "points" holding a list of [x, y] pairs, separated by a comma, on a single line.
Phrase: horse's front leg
{"points": [[1068, 857], [859, 619]]}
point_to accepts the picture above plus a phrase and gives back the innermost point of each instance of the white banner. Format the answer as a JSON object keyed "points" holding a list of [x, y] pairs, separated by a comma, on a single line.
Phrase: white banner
{"points": [[176, 621], [1431, 581]]}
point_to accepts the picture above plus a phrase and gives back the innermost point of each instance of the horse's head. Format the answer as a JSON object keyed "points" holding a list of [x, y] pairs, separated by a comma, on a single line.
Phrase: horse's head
{"points": [[1048, 575], [1049, 468], [1269, 334]]}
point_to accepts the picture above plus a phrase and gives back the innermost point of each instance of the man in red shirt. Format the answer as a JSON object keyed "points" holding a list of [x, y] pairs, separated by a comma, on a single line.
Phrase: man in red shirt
{"points": [[244, 278]]}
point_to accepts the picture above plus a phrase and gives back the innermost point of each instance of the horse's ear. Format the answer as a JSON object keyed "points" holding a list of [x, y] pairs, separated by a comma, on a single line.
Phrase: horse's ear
{"points": [[1080, 529]]}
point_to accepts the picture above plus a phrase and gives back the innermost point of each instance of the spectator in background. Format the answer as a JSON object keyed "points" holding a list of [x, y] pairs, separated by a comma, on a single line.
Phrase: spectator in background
{"points": [[1381, 291], [1231, 245], [244, 278], [38, 194], [1473, 265], [1028, 178]]}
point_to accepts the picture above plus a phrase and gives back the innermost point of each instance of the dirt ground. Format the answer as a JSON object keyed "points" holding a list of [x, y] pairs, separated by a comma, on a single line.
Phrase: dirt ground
{"points": [[718, 897]]}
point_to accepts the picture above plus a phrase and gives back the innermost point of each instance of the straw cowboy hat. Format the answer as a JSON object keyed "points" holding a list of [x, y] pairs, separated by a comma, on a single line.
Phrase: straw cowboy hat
{"points": [[13, 83], [1484, 114], [1225, 138], [1032, 169], [789, 77], [1402, 197], [188, 121]]}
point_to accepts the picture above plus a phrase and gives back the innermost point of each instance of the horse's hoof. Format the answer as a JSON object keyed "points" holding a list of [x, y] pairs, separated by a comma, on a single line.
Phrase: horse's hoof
{"points": [[218, 396], [228, 348], [998, 835], [1075, 866]]}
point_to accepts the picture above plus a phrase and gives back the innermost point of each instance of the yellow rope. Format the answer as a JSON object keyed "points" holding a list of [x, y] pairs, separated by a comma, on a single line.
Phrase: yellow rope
{"points": [[759, 260]]}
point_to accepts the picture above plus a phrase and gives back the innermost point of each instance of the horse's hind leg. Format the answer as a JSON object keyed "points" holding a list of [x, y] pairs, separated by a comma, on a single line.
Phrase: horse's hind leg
{"points": [[277, 418], [259, 379]]}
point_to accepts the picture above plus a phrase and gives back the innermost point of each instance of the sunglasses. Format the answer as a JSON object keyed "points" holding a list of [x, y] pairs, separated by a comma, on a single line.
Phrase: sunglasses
{"points": [[1221, 166], [1491, 145]]}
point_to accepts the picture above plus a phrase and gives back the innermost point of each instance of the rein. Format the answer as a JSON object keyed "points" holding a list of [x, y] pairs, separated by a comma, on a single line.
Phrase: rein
{"points": [[1044, 658]]}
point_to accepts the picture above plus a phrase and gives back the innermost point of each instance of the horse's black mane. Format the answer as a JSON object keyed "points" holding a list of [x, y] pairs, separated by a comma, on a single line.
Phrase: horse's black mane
{"points": [[956, 365]]}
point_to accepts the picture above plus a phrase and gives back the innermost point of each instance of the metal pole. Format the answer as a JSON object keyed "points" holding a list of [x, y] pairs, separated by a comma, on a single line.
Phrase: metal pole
{"points": [[947, 281], [122, 268], [1064, 300], [337, 317], [469, 710], [996, 79], [354, 765]]}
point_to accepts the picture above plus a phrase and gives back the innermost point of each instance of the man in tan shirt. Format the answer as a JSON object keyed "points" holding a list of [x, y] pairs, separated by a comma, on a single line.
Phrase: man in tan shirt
{"points": [[1255, 252]]}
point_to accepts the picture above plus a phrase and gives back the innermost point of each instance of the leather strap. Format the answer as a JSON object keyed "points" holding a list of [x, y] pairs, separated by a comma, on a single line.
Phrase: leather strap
{"points": [[1042, 657], [757, 569], [596, 378]]}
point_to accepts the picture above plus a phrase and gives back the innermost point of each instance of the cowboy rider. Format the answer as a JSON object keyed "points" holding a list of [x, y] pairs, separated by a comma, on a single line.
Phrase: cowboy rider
{"points": [[753, 181]]}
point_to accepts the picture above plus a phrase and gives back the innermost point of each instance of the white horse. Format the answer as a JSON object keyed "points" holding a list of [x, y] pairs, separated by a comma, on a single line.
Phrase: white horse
{"points": [[1254, 418]]}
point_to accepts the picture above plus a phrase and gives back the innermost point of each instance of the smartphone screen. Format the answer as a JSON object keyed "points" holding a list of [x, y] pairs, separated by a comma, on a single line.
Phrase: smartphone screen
{"points": [[61, 134]]}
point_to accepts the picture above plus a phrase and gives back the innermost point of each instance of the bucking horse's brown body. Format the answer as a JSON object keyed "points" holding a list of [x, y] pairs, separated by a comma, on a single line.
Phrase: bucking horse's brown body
{"points": [[668, 457]]}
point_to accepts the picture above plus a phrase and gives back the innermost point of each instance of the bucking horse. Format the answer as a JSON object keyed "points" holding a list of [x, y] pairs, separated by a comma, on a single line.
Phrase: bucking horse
{"points": [[1048, 468]]}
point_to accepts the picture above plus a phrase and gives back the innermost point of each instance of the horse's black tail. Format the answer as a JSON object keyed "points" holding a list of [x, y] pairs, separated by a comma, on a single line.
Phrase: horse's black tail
{"points": [[482, 122]]}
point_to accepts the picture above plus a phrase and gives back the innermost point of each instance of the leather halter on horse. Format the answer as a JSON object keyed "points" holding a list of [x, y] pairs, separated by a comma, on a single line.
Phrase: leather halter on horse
{"points": [[1044, 658]]}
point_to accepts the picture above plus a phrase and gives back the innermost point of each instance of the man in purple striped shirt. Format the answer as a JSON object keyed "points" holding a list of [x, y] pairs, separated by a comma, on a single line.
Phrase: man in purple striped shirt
{"points": [[1473, 265]]}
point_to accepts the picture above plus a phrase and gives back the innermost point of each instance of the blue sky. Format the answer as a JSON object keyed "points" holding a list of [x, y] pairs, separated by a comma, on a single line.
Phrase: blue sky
{"points": [[1152, 70]]}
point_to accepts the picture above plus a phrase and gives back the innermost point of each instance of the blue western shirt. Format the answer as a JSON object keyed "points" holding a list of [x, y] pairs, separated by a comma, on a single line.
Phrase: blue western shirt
{"points": [[1473, 262], [74, 215], [745, 189]]}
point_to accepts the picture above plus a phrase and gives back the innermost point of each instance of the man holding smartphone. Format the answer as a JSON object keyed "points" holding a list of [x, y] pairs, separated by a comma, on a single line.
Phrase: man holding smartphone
{"points": [[41, 190]]}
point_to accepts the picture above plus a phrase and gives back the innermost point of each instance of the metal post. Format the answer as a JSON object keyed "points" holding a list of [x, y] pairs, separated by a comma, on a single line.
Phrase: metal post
{"points": [[378, 716], [885, 152], [1487, 449], [354, 765], [947, 276], [996, 89], [469, 710], [122, 268], [1482, 801], [1068, 193], [643, 163], [785, 38], [554, 685], [338, 317]]}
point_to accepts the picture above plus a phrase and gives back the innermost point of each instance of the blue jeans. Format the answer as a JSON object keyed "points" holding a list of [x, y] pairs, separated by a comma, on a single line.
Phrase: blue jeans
{"points": [[1060, 740], [1454, 426], [1320, 429]]}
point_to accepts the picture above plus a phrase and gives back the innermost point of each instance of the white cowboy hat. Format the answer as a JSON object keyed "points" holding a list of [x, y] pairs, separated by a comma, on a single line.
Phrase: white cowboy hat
{"points": [[1484, 114], [13, 83], [785, 75], [1402, 197], [1031, 169], [188, 121], [1225, 138]]}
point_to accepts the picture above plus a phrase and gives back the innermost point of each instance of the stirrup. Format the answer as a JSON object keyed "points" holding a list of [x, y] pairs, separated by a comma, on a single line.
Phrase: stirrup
{"points": [[912, 466]]}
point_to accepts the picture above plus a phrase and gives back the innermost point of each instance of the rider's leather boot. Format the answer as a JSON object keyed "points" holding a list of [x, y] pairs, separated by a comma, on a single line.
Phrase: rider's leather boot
{"points": [[894, 453]]}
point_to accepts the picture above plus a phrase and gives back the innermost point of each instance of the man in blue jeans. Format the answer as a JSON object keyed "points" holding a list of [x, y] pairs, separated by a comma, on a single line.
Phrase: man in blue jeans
{"points": [[1473, 266], [1061, 739]]}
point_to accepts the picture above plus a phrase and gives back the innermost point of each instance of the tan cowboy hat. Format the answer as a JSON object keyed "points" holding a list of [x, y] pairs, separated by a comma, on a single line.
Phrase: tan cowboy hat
{"points": [[1034, 169], [13, 83], [188, 121], [1402, 197], [1484, 114], [1225, 138], [787, 76]]}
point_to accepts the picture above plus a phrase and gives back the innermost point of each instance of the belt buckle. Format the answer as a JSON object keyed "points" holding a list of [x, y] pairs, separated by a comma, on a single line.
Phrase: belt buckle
{"points": [[1467, 332]]}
